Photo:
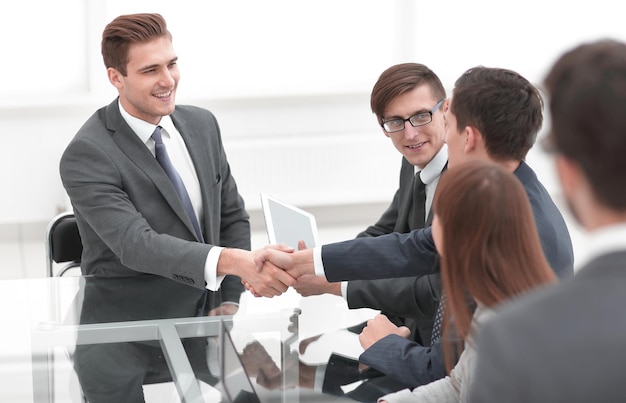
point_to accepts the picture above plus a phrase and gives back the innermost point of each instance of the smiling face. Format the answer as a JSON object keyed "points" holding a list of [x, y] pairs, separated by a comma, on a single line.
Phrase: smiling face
{"points": [[418, 144], [148, 90]]}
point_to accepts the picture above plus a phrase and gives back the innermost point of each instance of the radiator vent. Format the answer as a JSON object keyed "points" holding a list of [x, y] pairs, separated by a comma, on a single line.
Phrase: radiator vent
{"points": [[315, 171]]}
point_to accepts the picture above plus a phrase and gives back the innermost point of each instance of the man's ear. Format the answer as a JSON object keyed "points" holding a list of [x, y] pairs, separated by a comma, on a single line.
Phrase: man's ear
{"points": [[446, 105], [473, 139], [115, 77]]}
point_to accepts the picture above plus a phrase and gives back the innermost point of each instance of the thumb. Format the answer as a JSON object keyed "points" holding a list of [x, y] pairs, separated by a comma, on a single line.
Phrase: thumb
{"points": [[404, 331]]}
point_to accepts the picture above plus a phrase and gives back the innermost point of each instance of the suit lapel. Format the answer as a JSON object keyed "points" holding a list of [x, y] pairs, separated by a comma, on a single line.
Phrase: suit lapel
{"points": [[137, 152], [198, 148]]}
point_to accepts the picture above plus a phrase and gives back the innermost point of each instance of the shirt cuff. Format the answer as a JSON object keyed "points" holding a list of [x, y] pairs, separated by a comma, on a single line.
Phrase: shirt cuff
{"points": [[213, 281], [344, 290], [317, 262]]}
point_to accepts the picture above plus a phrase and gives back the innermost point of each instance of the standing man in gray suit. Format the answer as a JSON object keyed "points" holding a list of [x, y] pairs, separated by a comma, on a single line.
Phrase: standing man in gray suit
{"points": [[567, 343], [175, 226]]}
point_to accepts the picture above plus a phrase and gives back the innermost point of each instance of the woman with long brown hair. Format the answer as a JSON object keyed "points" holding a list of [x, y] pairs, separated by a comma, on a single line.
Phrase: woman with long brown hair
{"points": [[490, 252]]}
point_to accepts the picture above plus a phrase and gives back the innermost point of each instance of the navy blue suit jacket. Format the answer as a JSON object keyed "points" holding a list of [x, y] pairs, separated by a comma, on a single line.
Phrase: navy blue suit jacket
{"points": [[413, 254]]}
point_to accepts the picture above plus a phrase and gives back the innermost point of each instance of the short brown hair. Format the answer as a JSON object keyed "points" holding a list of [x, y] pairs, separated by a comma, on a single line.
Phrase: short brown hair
{"points": [[587, 90], [401, 78], [491, 248], [125, 30], [504, 106]]}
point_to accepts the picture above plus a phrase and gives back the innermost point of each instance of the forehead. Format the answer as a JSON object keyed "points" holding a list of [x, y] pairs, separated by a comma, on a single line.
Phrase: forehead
{"points": [[420, 98], [153, 52]]}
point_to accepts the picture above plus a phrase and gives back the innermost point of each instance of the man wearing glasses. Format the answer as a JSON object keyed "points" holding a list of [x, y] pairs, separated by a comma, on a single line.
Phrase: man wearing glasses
{"points": [[407, 100], [495, 115]]}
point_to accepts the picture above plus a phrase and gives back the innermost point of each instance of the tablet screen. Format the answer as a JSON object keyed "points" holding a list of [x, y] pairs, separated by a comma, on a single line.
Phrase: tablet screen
{"points": [[288, 224]]}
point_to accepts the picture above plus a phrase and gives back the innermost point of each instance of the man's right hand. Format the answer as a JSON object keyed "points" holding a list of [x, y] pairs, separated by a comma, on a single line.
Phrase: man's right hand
{"points": [[265, 280]]}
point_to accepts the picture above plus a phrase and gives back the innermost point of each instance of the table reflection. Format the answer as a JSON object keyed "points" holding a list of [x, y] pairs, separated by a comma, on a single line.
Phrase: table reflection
{"points": [[79, 331]]}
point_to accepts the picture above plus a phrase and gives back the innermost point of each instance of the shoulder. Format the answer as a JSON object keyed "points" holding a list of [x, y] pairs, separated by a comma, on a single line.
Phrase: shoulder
{"points": [[191, 110], [525, 319]]}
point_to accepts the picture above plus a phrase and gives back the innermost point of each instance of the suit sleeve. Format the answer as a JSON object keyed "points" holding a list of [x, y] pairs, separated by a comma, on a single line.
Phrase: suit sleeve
{"points": [[391, 255], [405, 360], [412, 297]]}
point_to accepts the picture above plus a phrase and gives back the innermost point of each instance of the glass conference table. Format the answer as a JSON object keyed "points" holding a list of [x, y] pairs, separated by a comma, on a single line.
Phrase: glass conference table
{"points": [[272, 350]]}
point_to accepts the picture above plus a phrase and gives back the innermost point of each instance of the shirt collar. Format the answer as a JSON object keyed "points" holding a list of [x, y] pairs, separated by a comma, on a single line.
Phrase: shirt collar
{"points": [[432, 170], [143, 129], [602, 241]]}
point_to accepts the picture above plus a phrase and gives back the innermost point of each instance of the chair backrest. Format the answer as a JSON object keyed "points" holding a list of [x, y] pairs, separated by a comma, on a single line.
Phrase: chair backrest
{"points": [[63, 244]]}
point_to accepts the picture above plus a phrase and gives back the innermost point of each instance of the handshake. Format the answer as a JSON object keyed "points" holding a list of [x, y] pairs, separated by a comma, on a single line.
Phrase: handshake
{"points": [[271, 270], [268, 271]]}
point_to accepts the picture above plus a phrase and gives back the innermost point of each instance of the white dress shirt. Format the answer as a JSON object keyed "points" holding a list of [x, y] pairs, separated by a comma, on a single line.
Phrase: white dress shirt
{"points": [[179, 155]]}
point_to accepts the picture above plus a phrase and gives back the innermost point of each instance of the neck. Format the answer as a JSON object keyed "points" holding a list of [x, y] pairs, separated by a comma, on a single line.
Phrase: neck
{"points": [[510, 166], [603, 217]]}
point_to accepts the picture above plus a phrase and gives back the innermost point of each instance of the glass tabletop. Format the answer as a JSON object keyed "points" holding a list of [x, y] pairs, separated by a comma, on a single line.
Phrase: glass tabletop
{"points": [[65, 336]]}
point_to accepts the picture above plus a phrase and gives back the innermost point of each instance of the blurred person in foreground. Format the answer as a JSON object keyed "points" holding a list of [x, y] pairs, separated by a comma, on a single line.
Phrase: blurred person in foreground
{"points": [[567, 343]]}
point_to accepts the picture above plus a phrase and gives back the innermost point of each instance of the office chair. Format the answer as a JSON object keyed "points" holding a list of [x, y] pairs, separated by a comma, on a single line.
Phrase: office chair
{"points": [[63, 244]]}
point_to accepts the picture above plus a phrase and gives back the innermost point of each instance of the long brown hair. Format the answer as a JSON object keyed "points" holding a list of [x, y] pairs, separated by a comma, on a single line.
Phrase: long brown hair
{"points": [[490, 250]]}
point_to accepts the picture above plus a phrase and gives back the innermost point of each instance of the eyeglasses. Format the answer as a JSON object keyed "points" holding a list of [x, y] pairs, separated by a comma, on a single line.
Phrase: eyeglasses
{"points": [[419, 119]]}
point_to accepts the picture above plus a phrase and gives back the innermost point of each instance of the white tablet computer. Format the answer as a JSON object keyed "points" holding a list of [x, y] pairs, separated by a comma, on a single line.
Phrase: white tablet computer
{"points": [[288, 224]]}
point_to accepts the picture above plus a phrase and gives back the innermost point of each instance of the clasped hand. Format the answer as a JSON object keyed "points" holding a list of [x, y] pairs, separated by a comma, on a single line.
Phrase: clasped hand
{"points": [[281, 263]]}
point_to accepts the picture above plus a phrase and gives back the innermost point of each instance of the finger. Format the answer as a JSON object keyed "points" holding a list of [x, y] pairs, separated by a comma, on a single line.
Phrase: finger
{"points": [[280, 275], [281, 247], [301, 245], [404, 331], [277, 258]]}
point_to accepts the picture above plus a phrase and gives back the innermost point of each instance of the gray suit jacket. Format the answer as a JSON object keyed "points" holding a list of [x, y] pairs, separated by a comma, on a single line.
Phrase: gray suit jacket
{"points": [[131, 220], [566, 343]]}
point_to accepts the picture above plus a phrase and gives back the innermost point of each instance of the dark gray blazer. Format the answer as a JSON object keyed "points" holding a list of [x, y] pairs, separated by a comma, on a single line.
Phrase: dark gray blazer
{"points": [[563, 343], [415, 305], [131, 220]]}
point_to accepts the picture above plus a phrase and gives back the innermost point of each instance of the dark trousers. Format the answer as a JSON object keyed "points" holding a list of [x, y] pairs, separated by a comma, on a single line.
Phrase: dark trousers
{"points": [[116, 372]]}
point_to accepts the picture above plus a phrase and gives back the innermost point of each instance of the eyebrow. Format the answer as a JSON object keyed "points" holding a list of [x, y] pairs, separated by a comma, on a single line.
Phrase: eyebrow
{"points": [[412, 114], [152, 66]]}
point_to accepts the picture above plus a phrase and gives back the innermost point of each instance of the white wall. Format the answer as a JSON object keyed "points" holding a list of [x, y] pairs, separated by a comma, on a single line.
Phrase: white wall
{"points": [[288, 80]]}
